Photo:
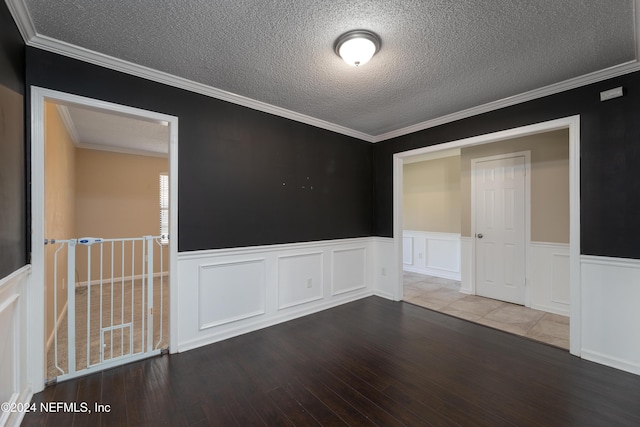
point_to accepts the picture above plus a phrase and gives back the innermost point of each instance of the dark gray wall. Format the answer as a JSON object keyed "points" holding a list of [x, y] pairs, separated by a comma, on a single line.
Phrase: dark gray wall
{"points": [[245, 177], [234, 160], [13, 237], [610, 160]]}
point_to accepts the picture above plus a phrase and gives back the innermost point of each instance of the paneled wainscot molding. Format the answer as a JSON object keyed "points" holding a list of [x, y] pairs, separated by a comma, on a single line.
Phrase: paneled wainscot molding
{"points": [[15, 386], [435, 254], [228, 292], [611, 311]]}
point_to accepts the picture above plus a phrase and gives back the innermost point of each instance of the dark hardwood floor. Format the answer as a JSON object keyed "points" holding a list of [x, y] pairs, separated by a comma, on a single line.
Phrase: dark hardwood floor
{"points": [[370, 362]]}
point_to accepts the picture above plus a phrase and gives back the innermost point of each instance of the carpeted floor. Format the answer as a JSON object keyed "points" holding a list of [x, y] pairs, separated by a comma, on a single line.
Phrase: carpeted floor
{"points": [[125, 319]]}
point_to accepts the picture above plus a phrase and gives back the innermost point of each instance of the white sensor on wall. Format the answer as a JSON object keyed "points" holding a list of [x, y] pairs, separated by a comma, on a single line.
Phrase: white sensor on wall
{"points": [[611, 93]]}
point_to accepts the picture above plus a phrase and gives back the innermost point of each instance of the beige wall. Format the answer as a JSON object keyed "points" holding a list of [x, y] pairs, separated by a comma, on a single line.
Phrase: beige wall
{"points": [[431, 195], [549, 182], [59, 181], [116, 196]]}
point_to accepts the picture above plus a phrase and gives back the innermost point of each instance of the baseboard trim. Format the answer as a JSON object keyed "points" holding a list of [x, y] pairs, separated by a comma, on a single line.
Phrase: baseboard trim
{"points": [[384, 295], [552, 310], [261, 324], [613, 362], [63, 312], [444, 274], [14, 419]]}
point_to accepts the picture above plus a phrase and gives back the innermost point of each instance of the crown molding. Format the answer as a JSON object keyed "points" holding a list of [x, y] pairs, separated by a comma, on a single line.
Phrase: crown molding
{"points": [[23, 20], [555, 88], [597, 76], [96, 58], [25, 24], [121, 150], [68, 124]]}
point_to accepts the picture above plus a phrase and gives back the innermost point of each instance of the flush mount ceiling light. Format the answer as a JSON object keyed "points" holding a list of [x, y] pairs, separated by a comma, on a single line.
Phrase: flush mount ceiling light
{"points": [[357, 47]]}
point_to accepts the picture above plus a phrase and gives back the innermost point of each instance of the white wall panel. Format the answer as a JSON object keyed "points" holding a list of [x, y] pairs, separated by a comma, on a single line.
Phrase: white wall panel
{"points": [[610, 293], [435, 254], [230, 291], [466, 266], [560, 278], [14, 360], [407, 250], [611, 312], [550, 284], [443, 254], [386, 276], [349, 270], [299, 279], [9, 348]]}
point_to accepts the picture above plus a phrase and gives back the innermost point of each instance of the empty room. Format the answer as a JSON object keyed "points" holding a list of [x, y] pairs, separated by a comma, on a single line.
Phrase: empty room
{"points": [[275, 228]]}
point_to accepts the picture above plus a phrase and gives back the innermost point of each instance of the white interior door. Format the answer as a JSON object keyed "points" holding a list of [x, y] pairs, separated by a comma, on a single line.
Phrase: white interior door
{"points": [[500, 227]]}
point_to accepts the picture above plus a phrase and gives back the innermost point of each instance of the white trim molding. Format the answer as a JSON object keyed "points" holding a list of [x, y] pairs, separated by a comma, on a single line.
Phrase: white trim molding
{"points": [[32, 38], [574, 83], [110, 62], [63, 110]]}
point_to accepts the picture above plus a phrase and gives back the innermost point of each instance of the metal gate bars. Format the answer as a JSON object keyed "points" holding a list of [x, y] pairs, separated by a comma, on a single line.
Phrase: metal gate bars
{"points": [[110, 312]]}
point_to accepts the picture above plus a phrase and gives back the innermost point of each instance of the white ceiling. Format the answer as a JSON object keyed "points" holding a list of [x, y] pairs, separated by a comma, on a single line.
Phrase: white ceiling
{"points": [[107, 131], [438, 57]]}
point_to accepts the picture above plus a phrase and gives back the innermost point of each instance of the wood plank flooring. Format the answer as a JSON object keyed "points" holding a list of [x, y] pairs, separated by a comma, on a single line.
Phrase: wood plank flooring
{"points": [[370, 362]]}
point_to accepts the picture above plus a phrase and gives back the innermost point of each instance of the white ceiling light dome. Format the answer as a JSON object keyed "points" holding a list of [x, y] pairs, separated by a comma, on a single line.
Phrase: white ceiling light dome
{"points": [[357, 47]]}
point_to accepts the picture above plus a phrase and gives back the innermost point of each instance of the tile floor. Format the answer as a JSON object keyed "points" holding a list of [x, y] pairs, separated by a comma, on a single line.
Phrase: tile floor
{"points": [[444, 295]]}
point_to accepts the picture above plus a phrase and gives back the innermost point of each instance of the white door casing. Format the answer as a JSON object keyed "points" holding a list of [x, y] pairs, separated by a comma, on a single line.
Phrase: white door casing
{"points": [[572, 123], [35, 340], [500, 226]]}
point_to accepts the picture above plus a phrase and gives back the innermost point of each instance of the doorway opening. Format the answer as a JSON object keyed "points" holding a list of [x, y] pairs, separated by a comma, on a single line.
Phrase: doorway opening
{"points": [[467, 251], [104, 232]]}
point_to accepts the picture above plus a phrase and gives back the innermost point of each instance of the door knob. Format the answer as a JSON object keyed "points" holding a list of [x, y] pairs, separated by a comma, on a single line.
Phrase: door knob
{"points": [[479, 235]]}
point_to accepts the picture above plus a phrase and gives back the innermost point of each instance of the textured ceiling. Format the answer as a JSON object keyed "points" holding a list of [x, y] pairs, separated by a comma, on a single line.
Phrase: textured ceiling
{"points": [[437, 56], [97, 129]]}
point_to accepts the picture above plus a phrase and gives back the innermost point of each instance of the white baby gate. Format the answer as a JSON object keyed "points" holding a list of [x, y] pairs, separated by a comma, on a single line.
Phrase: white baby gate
{"points": [[112, 309]]}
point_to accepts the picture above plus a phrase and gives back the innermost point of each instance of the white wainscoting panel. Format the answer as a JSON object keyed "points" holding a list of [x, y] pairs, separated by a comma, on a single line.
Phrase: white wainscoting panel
{"points": [[550, 285], [407, 250], [435, 254], [14, 387], [227, 292], [9, 350], [443, 254], [299, 279], [466, 266], [230, 291], [349, 270], [611, 311], [386, 277]]}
